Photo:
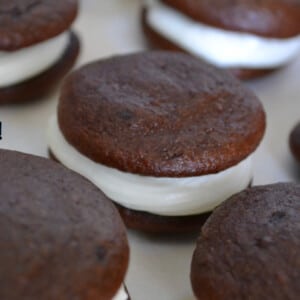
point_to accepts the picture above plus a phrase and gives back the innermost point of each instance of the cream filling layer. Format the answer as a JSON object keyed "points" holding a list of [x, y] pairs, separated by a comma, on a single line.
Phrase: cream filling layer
{"points": [[18, 66], [158, 195], [223, 48], [121, 294]]}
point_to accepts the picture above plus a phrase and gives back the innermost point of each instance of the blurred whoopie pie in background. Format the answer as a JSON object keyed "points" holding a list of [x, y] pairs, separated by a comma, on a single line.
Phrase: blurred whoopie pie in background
{"points": [[248, 37], [37, 47]]}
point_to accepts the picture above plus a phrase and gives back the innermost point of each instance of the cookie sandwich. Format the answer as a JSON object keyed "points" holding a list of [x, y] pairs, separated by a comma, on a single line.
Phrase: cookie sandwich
{"points": [[37, 47], [60, 237], [249, 247], [163, 135], [250, 38]]}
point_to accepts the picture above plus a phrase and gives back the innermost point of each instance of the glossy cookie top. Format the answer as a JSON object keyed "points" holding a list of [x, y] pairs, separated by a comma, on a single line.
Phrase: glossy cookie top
{"points": [[270, 18], [60, 237], [249, 247], [27, 22], [161, 114]]}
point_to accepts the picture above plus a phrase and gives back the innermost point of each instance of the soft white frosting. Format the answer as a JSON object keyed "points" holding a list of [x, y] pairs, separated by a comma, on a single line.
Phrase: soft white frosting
{"points": [[121, 294], [158, 195], [23, 64], [220, 47]]}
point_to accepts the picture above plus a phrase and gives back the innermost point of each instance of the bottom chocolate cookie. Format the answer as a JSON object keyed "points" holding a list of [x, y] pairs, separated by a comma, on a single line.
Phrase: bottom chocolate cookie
{"points": [[41, 84], [157, 41], [151, 223]]}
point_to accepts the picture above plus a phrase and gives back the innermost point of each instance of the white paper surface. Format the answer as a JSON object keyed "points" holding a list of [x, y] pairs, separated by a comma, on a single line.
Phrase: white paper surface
{"points": [[159, 267]]}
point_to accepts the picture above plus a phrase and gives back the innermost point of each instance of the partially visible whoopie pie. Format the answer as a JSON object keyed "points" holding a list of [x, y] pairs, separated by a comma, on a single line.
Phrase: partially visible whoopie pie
{"points": [[163, 135], [248, 37], [294, 142], [249, 247], [60, 237], [36, 47]]}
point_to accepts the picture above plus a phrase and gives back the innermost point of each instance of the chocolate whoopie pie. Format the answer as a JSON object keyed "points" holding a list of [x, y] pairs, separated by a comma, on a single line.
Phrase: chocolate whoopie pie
{"points": [[248, 37], [36, 47], [163, 135], [294, 142], [249, 247], [60, 237]]}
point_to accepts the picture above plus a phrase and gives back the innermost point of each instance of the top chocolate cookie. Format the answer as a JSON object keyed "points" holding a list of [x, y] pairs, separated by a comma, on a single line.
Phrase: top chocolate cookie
{"points": [[249, 247], [60, 237], [160, 114], [27, 22], [270, 18]]}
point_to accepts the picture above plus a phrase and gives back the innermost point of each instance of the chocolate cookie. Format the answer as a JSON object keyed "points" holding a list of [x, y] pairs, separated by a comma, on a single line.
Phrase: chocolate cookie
{"points": [[295, 141], [48, 18], [158, 129], [165, 224], [60, 238], [247, 37], [249, 247], [36, 49]]}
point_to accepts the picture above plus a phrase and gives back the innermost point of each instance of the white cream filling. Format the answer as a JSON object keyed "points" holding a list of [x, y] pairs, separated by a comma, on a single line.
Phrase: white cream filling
{"points": [[18, 66], [220, 47], [157, 195], [121, 294]]}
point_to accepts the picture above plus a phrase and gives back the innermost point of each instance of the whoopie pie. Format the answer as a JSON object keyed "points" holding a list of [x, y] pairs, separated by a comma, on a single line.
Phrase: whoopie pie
{"points": [[248, 37], [36, 47], [163, 135]]}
